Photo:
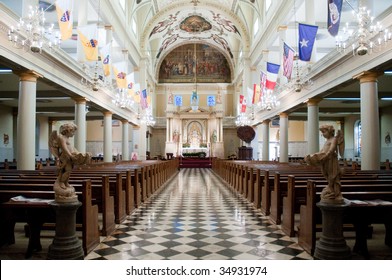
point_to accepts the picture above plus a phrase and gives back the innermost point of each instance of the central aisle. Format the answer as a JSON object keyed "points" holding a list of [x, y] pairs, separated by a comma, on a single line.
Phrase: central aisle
{"points": [[195, 216]]}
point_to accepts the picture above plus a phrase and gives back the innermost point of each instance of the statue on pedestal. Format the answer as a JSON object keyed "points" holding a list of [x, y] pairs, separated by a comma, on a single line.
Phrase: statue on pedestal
{"points": [[327, 158], [68, 156]]}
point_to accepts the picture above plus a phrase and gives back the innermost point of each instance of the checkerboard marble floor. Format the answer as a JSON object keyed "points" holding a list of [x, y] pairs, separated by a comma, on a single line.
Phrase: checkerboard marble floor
{"points": [[196, 216]]}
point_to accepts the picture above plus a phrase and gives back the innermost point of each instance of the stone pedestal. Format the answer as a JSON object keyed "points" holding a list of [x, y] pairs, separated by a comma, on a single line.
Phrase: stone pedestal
{"points": [[332, 245], [66, 245]]}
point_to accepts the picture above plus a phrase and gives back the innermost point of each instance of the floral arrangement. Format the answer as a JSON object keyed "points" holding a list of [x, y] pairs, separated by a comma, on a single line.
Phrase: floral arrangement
{"points": [[186, 145]]}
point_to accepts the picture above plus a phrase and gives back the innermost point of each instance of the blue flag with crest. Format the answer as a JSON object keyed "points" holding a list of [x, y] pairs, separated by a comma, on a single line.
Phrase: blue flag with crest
{"points": [[307, 36], [334, 15]]}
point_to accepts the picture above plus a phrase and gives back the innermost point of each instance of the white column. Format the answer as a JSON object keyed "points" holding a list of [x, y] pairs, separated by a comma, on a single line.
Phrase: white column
{"points": [[370, 124], [125, 140], [26, 121], [80, 121], [107, 137], [168, 136], [109, 33], [313, 126], [220, 130], [284, 137], [265, 128], [82, 9]]}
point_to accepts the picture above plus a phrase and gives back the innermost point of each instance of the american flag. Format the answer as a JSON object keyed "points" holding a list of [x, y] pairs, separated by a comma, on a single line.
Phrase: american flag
{"points": [[288, 59], [143, 99]]}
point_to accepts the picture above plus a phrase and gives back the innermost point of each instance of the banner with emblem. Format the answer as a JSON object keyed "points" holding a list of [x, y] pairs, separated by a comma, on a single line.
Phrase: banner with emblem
{"points": [[119, 70], [88, 36], [106, 59], [64, 9]]}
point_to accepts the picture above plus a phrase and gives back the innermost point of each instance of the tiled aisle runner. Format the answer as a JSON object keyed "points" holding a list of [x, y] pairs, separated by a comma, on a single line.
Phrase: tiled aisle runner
{"points": [[196, 216]]}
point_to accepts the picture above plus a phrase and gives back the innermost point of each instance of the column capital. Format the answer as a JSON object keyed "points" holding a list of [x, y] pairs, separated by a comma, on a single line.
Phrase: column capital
{"points": [[80, 100], [108, 27], [283, 115], [28, 75], [124, 122], [313, 101], [267, 121], [107, 113], [367, 76], [282, 28]]}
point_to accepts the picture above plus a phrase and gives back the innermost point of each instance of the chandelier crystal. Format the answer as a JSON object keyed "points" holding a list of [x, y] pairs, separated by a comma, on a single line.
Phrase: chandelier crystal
{"points": [[122, 99], [32, 33], [366, 38], [147, 118], [268, 101], [242, 119]]}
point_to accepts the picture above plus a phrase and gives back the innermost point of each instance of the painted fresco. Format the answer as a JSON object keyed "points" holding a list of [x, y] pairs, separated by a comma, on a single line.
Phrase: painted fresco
{"points": [[194, 63]]}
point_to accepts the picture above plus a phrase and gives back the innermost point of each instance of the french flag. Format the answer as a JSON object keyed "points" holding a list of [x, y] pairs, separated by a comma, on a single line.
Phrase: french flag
{"points": [[272, 75]]}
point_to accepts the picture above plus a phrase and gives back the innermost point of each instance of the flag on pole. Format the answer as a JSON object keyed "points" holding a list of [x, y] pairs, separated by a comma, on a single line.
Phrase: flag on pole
{"points": [[88, 36], [272, 75], [120, 74], [307, 36], [334, 12], [263, 84], [256, 94], [64, 9], [106, 59], [242, 104], [288, 60], [143, 99]]}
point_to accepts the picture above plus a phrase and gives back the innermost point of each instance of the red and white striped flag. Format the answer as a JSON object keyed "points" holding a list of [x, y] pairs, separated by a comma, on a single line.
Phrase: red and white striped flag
{"points": [[242, 104], [288, 60]]}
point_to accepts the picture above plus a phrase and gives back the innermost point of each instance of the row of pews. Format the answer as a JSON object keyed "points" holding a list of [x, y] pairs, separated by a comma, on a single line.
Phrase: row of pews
{"points": [[288, 192], [108, 192]]}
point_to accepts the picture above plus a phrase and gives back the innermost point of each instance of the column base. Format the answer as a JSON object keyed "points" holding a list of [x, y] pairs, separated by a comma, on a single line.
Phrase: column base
{"points": [[66, 245], [332, 245]]}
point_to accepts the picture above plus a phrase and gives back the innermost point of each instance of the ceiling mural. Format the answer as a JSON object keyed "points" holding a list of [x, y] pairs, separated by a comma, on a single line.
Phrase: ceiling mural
{"points": [[194, 63], [188, 25]]}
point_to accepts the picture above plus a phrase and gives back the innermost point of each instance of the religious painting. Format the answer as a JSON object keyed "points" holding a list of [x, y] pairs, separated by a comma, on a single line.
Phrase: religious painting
{"points": [[178, 100], [195, 63], [195, 23], [194, 99], [211, 100]]}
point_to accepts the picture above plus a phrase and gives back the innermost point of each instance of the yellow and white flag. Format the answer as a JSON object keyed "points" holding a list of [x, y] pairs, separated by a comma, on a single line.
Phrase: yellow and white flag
{"points": [[106, 58], [88, 36], [119, 69], [64, 9]]}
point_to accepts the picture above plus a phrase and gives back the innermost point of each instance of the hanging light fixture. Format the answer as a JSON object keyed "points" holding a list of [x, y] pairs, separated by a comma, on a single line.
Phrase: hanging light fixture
{"points": [[365, 37], [147, 118], [242, 119], [33, 33]]}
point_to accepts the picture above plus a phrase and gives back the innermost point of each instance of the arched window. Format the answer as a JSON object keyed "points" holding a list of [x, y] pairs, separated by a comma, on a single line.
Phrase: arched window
{"points": [[357, 138]]}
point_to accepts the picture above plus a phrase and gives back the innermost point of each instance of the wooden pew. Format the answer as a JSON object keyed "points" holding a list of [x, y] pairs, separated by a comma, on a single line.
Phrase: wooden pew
{"points": [[100, 194], [310, 216], [36, 214]]}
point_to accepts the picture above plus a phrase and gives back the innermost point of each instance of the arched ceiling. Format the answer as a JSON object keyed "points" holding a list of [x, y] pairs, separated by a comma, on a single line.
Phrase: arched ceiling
{"points": [[171, 23]]}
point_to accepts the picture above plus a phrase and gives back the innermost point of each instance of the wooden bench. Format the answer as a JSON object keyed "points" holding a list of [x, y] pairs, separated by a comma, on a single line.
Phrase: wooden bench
{"points": [[310, 216], [100, 194], [38, 213]]}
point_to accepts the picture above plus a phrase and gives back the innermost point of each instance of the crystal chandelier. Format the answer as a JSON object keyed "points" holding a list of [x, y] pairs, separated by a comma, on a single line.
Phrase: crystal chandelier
{"points": [[32, 32], [242, 119], [147, 118], [268, 101], [367, 37], [122, 99]]}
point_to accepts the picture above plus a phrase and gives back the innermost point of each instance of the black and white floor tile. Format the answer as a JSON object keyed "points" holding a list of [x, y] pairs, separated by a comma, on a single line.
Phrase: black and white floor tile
{"points": [[196, 216]]}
